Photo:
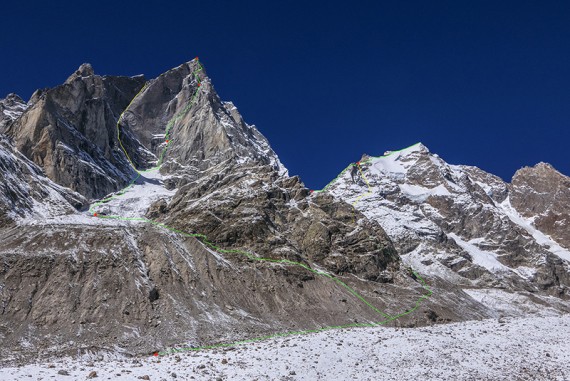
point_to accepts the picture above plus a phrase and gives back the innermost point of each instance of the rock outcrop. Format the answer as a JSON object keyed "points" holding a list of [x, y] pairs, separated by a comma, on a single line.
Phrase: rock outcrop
{"points": [[543, 194], [70, 131], [253, 208], [25, 192]]}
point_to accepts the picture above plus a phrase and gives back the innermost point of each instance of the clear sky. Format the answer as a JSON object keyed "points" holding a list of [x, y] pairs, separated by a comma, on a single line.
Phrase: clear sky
{"points": [[484, 83]]}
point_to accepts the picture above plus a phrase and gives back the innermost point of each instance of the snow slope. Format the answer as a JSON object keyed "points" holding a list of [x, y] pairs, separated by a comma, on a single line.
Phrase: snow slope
{"points": [[134, 201], [540, 237]]}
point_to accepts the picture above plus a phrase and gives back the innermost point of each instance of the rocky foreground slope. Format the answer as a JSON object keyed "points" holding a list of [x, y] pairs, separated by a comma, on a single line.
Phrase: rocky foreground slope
{"points": [[526, 349], [213, 241]]}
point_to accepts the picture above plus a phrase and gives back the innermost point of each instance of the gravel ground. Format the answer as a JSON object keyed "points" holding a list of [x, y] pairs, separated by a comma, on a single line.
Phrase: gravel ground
{"points": [[509, 349]]}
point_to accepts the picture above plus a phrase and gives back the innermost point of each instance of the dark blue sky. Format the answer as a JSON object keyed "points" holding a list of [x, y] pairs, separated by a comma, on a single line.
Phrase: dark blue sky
{"points": [[485, 83]]}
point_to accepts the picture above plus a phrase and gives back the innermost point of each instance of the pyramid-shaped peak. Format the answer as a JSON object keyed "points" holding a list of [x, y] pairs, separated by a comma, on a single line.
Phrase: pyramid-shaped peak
{"points": [[85, 70], [540, 170], [421, 147], [12, 99], [184, 69]]}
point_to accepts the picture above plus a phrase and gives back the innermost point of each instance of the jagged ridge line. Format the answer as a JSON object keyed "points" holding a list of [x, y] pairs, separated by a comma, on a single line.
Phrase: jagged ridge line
{"points": [[203, 239]]}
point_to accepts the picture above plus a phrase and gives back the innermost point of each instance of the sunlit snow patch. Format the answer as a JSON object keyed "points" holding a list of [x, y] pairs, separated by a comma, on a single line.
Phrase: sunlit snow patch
{"points": [[540, 237], [135, 201], [480, 257]]}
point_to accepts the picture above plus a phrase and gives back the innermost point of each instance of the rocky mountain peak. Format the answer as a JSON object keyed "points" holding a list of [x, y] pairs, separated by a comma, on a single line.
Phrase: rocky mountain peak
{"points": [[84, 70], [203, 131], [541, 169], [10, 109], [70, 131], [12, 99], [543, 193]]}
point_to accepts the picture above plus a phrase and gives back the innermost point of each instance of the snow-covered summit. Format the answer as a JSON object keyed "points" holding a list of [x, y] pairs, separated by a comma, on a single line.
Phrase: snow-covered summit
{"points": [[397, 163], [456, 222], [10, 109]]}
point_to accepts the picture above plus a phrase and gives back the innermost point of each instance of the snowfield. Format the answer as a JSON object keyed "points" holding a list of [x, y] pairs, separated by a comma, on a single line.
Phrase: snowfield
{"points": [[535, 348]]}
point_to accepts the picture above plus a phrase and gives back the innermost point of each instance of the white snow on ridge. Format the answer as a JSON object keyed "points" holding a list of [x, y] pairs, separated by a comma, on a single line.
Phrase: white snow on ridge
{"points": [[392, 164], [540, 237], [13, 114], [418, 258], [133, 203]]}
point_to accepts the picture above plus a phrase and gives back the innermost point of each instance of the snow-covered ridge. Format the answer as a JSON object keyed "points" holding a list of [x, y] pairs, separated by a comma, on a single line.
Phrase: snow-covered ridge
{"points": [[527, 224], [450, 221], [11, 108], [26, 192]]}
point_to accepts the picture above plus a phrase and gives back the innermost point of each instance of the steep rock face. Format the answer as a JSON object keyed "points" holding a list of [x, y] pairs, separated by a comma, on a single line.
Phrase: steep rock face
{"points": [[25, 192], [202, 130], [455, 222], [543, 194], [256, 210], [70, 131]]}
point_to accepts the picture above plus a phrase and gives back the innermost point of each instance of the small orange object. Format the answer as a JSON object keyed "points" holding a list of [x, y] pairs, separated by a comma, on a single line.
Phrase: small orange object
{"points": [[198, 85], [167, 141], [196, 58], [94, 214], [155, 354]]}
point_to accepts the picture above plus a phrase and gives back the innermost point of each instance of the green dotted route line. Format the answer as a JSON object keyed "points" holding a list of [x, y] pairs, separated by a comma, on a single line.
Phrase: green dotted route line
{"points": [[203, 239]]}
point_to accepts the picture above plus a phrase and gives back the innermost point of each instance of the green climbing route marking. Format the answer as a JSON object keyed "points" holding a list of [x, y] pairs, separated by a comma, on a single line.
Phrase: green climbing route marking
{"points": [[204, 240]]}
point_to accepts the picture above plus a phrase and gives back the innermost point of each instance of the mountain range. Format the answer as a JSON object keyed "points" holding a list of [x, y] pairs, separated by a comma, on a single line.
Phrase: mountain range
{"points": [[139, 215]]}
